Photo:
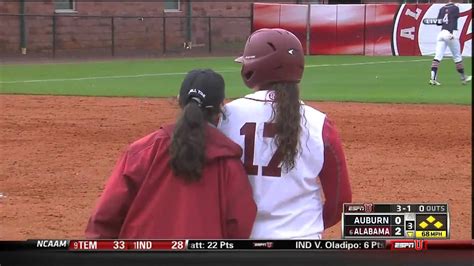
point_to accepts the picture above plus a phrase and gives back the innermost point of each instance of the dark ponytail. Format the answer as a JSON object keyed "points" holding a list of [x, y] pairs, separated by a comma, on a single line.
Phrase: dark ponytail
{"points": [[201, 95], [287, 118], [188, 143]]}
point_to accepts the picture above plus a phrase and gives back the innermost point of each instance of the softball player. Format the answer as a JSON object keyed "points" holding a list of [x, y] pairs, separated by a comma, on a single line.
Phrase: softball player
{"points": [[448, 20], [292, 152], [183, 181]]}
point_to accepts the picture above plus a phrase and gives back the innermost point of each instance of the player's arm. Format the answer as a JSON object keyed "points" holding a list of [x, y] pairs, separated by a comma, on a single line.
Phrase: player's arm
{"points": [[241, 208], [108, 216], [334, 176], [441, 13]]}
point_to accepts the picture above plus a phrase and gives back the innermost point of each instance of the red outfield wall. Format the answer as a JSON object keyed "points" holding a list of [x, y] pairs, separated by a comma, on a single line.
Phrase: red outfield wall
{"points": [[366, 29], [289, 16]]}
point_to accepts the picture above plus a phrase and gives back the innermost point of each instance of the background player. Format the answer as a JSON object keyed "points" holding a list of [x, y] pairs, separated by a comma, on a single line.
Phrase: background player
{"points": [[287, 144], [448, 19], [182, 181]]}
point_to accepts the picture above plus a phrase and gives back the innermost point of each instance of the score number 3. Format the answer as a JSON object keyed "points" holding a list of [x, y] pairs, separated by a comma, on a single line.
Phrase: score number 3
{"points": [[269, 131]]}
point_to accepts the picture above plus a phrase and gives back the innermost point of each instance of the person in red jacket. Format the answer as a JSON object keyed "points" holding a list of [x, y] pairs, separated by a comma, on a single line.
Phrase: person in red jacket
{"points": [[185, 180]]}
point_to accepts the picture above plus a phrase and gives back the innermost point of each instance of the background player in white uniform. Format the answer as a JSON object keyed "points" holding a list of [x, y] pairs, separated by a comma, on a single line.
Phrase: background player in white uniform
{"points": [[448, 19], [292, 152]]}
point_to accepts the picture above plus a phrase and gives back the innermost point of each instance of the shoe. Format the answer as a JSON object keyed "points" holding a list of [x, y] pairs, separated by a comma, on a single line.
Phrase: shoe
{"points": [[466, 80], [434, 82]]}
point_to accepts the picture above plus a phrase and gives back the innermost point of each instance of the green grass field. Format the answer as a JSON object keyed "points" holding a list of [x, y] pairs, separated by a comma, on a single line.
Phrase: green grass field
{"points": [[326, 78]]}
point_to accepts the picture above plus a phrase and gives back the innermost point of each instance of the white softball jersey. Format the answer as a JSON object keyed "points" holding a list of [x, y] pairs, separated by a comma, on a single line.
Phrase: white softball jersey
{"points": [[290, 204]]}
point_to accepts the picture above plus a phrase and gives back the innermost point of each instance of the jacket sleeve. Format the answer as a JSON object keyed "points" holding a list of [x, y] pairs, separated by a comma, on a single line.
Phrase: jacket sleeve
{"points": [[108, 216], [333, 176], [241, 208]]}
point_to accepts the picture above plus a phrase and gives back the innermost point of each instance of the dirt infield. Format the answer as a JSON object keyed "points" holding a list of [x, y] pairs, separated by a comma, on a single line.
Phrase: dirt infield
{"points": [[57, 152]]}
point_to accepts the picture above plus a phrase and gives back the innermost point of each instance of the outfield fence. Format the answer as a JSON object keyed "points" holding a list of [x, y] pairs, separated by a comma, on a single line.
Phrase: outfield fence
{"points": [[66, 35], [364, 29]]}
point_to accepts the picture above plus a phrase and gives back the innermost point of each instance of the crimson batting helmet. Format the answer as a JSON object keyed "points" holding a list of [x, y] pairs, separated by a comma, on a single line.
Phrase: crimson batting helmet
{"points": [[271, 55]]}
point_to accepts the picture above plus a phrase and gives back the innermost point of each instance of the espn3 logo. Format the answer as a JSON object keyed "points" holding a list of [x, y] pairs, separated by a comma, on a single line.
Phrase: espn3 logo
{"points": [[413, 37], [263, 244], [408, 245]]}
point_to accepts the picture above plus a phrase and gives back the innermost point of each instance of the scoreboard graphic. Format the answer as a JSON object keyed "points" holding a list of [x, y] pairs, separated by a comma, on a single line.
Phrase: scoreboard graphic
{"points": [[397, 221]]}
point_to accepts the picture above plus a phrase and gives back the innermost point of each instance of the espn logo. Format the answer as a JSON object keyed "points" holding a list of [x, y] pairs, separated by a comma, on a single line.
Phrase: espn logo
{"points": [[408, 245], [262, 244], [366, 207]]}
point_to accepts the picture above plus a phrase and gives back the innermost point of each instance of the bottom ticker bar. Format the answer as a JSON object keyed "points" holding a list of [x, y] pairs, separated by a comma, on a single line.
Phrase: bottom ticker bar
{"points": [[219, 245]]}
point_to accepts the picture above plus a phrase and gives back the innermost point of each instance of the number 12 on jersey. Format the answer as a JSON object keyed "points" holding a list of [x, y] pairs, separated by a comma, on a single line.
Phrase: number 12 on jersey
{"points": [[269, 131]]}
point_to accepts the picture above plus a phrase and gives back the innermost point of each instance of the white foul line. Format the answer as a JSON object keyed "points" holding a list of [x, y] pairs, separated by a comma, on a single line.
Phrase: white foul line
{"points": [[101, 77], [184, 73]]}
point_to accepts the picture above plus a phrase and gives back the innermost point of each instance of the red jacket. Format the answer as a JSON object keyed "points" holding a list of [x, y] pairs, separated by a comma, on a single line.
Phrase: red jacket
{"points": [[144, 199]]}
